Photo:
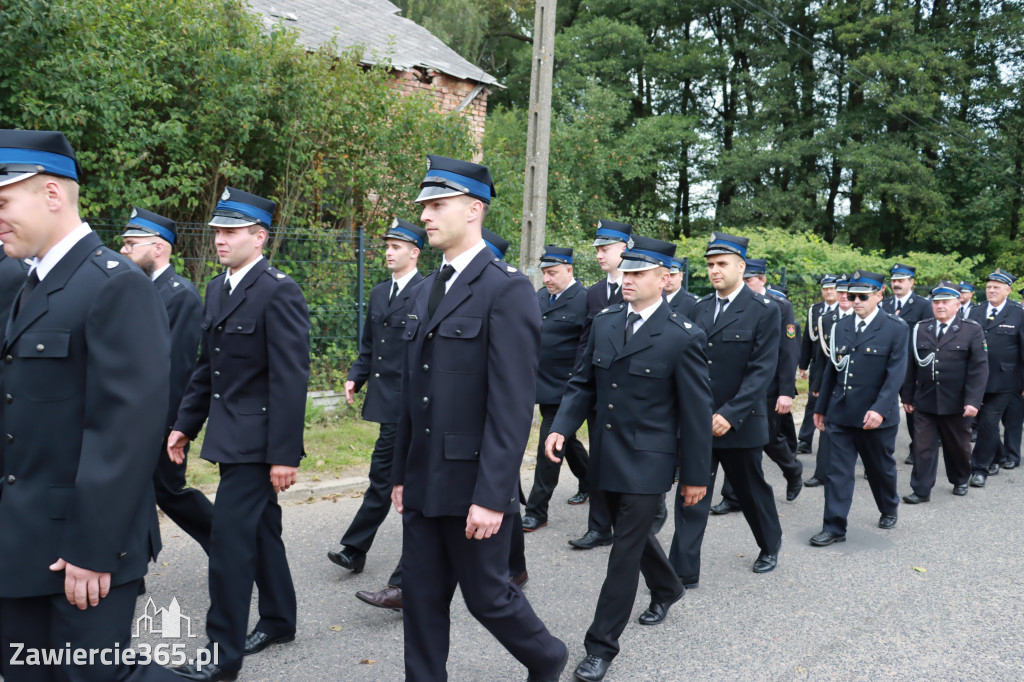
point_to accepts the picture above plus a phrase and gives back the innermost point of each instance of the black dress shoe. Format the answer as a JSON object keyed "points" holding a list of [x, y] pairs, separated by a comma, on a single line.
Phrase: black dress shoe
{"points": [[388, 598], [532, 523], [657, 611], [824, 539], [555, 674], [977, 480], [960, 489], [813, 482], [519, 579], [993, 469], [803, 448], [257, 640], [766, 562], [914, 498], [909, 459], [592, 539], [887, 521], [349, 558], [208, 673], [1009, 465], [724, 507], [579, 498], [793, 489], [591, 669]]}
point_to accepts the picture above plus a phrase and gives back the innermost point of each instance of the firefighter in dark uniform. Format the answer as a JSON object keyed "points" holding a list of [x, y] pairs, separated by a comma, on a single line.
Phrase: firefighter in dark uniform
{"points": [[812, 359], [250, 382], [787, 425], [781, 392], [149, 239], [646, 376], [949, 369], [609, 242], [676, 295], [742, 331], [966, 299], [472, 341], [12, 275], [85, 378], [1008, 456], [911, 308], [379, 367], [563, 309], [1003, 323], [859, 405]]}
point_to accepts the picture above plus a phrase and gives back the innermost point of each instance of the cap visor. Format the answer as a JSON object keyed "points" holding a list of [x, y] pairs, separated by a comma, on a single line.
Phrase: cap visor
{"points": [[136, 231], [11, 178], [719, 251], [637, 265], [225, 221], [899, 276], [437, 192], [861, 290], [549, 264]]}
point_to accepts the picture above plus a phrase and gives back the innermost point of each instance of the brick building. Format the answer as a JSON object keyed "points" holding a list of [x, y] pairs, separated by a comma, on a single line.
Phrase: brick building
{"points": [[419, 60]]}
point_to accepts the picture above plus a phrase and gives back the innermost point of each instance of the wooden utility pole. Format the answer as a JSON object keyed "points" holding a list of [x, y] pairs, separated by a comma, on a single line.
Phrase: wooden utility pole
{"points": [[538, 141]]}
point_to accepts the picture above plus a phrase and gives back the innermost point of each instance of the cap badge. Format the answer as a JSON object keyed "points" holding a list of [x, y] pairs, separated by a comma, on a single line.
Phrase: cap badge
{"points": [[226, 195], [394, 223], [511, 269], [111, 264], [134, 213], [630, 244], [687, 325]]}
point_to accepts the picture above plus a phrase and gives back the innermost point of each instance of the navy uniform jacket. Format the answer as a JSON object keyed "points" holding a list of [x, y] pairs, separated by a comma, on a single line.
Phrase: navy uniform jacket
{"points": [[380, 351], [683, 303], [877, 370], [252, 372], [743, 352], [1005, 337], [12, 276], [784, 381], [808, 346], [597, 300], [652, 398], [959, 373], [85, 377], [468, 391], [915, 310], [561, 326], [185, 314]]}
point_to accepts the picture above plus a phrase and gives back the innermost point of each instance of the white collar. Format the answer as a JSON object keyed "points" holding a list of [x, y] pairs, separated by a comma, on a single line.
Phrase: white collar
{"points": [[867, 320], [49, 261], [156, 273], [733, 295], [844, 313], [903, 301], [644, 314], [462, 261], [992, 310], [669, 297], [235, 278]]}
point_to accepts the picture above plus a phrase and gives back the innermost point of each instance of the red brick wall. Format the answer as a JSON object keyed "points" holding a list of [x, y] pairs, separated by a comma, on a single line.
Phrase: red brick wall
{"points": [[449, 93]]}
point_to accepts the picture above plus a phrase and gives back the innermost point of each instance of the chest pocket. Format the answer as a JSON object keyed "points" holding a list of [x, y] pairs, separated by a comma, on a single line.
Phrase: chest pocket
{"points": [[411, 326], [47, 369], [738, 335], [1003, 331], [562, 317], [653, 369], [603, 358], [876, 351], [460, 328], [240, 325]]}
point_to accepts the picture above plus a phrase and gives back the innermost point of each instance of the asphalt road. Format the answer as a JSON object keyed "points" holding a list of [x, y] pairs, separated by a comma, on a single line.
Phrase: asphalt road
{"points": [[938, 597]]}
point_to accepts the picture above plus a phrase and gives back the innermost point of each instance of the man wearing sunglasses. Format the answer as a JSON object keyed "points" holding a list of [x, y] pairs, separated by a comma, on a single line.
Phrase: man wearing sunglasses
{"points": [[858, 406]]}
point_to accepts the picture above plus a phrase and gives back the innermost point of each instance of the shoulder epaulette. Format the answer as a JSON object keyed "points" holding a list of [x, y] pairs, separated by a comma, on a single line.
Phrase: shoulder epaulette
{"points": [[110, 262], [504, 267], [896, 317], [706, 297], [613, 308], [681, 321], [275, 273], [763, 300], [967, 320]]}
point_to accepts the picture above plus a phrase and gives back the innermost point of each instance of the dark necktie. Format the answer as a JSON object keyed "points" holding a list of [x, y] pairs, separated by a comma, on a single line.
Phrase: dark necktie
{"points": [[394, 292], [942, 330], [631, 321], [613, 289], [722, 303], [991, 313], [224, 293], [551, 300], [860, 326], [437, 291], [31, 282], [899, 306]]}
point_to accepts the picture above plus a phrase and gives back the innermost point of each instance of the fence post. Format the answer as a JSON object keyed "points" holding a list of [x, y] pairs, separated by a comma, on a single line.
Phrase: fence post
{"points": [[360, 274], [782, 278], [686, 274]]}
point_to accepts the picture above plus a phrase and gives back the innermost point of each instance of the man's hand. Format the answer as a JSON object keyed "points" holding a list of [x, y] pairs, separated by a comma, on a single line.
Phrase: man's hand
{"points": [[482, 523], [283, 477], [396, 498], [719, 425], [553, 444], [82, 587], [970, 411], [350, 392], [803, 374], [692, 494], [872, 420], [909, 409], [819, 421], [784, 404], [176, 443], [815, 393]]}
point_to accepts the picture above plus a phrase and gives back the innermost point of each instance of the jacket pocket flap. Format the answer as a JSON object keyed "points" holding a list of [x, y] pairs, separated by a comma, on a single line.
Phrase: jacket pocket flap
{"points": [[462, 446], [738, 335], [252, 406], [603, 358], [459, 327], [657, 369], [240, 325], [654, 441], [44, 343], [877, 350]]}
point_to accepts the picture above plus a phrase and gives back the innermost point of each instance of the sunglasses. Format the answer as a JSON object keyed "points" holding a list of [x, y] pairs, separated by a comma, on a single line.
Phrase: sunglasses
{"points": [[861, 297]]}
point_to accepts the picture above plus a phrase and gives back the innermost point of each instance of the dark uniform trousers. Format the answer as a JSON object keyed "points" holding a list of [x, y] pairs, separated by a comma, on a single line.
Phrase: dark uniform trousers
{"points": [[1005, 340], [250, 387], [463, 423], [915, 310], [823, 455], [807, 429], [953, 432], [546, 474], [743, 354], [379, 366], [187, 507], [1013, 430], [777, 450], [877, 370]]}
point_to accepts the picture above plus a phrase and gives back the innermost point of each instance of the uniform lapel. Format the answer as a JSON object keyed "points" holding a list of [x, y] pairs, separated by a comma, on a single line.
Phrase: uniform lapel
{"points": [[732, 311], [643, 337], [952, 327], [460, 290], [238, 293]]}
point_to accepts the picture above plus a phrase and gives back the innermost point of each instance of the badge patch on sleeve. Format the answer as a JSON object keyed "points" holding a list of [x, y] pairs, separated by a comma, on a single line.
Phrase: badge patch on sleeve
{"points": [[791, 331]]}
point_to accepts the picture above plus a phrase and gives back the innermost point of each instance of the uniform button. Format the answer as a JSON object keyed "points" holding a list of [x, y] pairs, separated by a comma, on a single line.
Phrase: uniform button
{"points": [[598, 360], [426, 368], [263, 409], [458, 332], [9, 398], [9, 359], [426, 400], [607, 427], [9, 438], [427, 431], [220, 327], [610, 406], [647, 371], [216, 373], [615, 385], [238, 328], [383, 340], [377, 375], [430, 335], [385, 324], [710, 345], [543, 317], [379, 358], [216, 350], [40, 348], [216, 396], [11, 479], [711, 362], [122, 555]]}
